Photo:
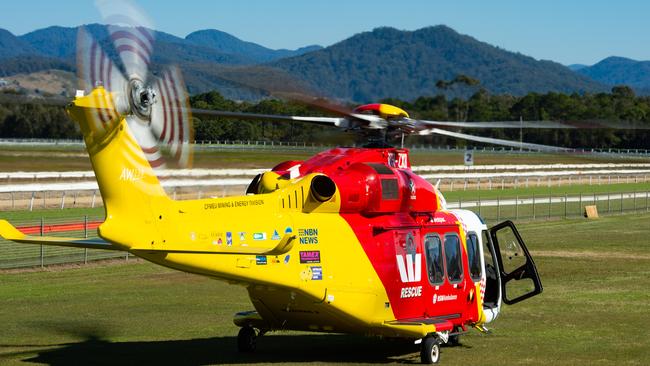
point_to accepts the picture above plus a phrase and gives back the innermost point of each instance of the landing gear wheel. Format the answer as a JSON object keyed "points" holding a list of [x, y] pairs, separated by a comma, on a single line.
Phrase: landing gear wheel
{"points": [[246, 339], [430, 351]]}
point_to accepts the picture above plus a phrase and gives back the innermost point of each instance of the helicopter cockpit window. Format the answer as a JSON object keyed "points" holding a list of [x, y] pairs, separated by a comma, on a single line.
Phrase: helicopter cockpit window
{"points": [[435, 269], [474, 257], [453, 258]]}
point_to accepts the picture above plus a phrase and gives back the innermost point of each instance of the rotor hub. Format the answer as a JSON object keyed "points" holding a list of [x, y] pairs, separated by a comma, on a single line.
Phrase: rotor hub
{"points": [[141, 98]]}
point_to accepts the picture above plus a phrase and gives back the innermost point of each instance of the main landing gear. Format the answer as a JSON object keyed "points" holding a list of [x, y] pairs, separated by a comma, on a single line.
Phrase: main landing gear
{"points": [[247, 338], [430, 347]]}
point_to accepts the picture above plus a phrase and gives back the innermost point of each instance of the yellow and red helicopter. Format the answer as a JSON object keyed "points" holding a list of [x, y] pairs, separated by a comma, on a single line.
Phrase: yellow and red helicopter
{"points": [[350, 240]]}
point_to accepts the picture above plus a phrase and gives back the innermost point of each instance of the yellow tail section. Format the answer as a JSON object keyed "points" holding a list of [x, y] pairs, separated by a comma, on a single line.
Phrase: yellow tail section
{"points": [[132, 194]]}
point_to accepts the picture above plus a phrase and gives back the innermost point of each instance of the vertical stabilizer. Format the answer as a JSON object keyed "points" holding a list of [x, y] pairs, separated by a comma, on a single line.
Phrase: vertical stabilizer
{"points": [[132, 194]]}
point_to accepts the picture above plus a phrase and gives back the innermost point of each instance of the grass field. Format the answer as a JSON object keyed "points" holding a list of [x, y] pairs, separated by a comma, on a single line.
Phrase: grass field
{"points": [[66, 158], [575, 189], [594, 310]]}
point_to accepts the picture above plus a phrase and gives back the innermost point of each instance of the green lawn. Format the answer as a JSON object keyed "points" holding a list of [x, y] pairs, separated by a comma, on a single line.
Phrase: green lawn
{"points": [[65, 158], [593, 311], [574, 189]]}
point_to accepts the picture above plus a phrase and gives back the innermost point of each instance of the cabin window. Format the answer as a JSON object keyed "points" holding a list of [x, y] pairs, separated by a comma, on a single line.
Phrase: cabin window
{"points": [[433, 248], [389, 189], [453, 258], [474, 257]]}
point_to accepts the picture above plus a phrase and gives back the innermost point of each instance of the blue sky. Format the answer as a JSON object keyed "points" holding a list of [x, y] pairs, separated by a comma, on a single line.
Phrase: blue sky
{"points": [[563, 31]]}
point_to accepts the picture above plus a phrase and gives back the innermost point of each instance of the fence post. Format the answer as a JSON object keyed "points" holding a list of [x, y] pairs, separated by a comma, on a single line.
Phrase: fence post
{"points": [[63, 200], [580, 205], [13, 204], [92, 203], [479, 203], [42, 253], [621, 202], [86, 236], [533, 206], [550, 200], [498, 208], [516, 207], [634, 200], [31, 201], [646, 200], [565, 206], [460, 202], [609, 203]]}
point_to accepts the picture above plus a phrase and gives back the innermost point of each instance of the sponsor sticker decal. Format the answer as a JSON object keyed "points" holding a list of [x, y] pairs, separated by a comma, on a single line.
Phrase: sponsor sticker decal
{"points": [[275, 236], [259, 236], [287, 258], [288, 230], [308, 236], [317, 273], [260, 260], [441, 298], [310, 256], [228, 238], [242, 236]]}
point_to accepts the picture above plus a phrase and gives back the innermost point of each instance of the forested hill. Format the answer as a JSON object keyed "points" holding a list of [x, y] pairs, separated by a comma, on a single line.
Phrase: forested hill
{"points": [[41, 121], [391, 63], [619, 70], [228, 43]]}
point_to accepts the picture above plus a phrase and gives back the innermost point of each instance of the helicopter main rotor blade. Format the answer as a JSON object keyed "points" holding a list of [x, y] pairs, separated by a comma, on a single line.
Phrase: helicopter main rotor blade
{"points": [[587, 124], [494, 141], [496, 124], [326, 121]]}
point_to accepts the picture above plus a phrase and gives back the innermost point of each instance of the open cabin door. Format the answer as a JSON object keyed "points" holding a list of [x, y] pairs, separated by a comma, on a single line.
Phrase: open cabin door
{"points": [[519, 277]]}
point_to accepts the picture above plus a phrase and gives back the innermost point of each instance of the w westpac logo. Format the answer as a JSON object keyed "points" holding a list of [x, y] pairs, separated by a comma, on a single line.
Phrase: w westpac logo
{"points": [[410, 266]]}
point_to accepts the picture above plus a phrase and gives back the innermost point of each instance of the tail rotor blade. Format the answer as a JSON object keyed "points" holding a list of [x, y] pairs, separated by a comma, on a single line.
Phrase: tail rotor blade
{"points": [[131, 34], [147, 141], [171, 119], [96, 69]]}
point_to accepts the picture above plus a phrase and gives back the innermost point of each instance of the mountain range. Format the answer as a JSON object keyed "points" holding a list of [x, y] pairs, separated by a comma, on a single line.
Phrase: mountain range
{"points": [[618, 71], [366, 67]]}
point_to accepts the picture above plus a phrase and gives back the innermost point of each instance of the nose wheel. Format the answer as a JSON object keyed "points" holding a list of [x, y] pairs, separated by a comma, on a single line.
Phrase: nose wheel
{"points": [[430, 350]]}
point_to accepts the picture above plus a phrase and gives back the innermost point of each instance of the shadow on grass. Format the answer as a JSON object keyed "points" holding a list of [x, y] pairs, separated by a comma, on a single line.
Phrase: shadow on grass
{"points": [[272, 348]]}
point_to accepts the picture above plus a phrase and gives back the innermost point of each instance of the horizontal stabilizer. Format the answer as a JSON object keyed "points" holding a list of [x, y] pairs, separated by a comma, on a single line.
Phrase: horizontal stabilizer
{"points": [[9, 232]]}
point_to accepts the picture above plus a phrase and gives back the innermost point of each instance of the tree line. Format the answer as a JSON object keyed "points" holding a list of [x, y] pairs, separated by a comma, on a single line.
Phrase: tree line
{"points": [[38, 120]]}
